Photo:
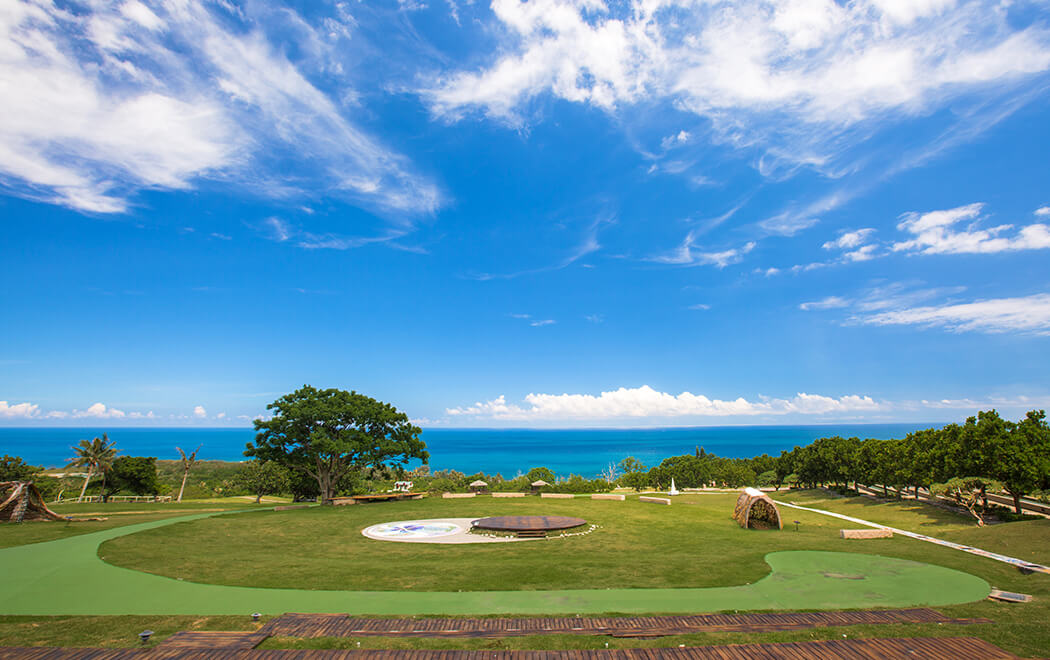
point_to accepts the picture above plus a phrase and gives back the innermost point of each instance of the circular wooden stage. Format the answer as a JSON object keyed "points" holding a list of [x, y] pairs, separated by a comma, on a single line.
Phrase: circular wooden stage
{"points": [[528, 523]]}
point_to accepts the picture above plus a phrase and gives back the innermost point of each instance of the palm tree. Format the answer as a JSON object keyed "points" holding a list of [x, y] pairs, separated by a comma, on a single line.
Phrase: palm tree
{"points": [[186, 462], [96, 455]]}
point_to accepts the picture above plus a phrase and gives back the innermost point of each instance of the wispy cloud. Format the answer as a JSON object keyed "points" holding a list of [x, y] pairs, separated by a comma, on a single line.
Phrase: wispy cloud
{"points": [[1028, 314], [687, 254], [104, 99], [900, 304], [588, 244], [804, 82], [831, 302]]}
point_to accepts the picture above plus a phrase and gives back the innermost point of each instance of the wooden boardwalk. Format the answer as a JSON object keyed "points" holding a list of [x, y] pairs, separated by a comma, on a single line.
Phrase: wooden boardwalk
{"points": [[341, 625], [214, 639], [943, 648]]}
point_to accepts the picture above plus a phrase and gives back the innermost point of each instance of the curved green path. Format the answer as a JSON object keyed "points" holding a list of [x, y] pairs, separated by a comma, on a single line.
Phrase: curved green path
{"points": [[67, 577]]}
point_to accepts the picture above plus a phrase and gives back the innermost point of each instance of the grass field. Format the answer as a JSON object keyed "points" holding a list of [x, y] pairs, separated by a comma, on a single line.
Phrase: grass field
{"points": [[691, 543], [116, 514]]}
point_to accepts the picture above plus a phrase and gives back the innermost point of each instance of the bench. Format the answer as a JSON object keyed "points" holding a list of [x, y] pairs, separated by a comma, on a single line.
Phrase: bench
{"points": [[456, 496], [508, 494], [557, 496], [655, 500], [608, 496]]}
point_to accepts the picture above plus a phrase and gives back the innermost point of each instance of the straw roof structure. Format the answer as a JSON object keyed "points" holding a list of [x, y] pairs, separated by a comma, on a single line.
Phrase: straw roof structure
{"points": [[20, 500], [539, 483], [755, 510], [478, 483]]}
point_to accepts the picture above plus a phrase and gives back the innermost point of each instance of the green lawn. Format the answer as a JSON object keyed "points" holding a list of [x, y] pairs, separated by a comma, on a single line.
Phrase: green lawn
{"points": [[692, 543], [116, 514]]}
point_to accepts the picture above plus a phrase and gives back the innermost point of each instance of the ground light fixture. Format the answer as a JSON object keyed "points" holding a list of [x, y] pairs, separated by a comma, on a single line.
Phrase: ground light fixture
{"points": [[797, 523], [256, 616], [145, 635]]}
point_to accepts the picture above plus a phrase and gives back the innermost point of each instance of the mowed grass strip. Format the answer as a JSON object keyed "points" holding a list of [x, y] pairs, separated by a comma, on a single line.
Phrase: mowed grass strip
{"points": [[128, 514]]}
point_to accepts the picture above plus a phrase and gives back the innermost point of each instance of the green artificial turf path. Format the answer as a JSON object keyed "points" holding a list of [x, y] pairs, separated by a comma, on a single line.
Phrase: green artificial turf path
{"points": [[67, 577]]}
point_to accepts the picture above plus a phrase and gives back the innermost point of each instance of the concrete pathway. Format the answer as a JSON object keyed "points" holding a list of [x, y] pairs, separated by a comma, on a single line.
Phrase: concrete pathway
{"points": [[1020, 563]]}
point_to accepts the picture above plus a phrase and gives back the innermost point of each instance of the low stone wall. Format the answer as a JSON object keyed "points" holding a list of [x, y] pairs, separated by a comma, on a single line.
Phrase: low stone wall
{"points": [[608, 496], [456, 496], [655, 500], [557, 496], [865, 533], [508, 494]]}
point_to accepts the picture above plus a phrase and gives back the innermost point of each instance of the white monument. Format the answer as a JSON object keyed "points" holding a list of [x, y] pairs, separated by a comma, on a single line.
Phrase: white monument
{"points": [[673, 491]]}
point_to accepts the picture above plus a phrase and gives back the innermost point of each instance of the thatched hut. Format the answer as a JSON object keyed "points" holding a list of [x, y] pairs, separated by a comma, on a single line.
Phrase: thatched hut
{"points": [[755, 510], [20, 500], [479, 486], [539, 485]]}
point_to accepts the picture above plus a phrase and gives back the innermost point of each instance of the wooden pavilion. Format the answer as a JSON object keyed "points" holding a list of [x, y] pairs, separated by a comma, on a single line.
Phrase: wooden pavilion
{"points": [[479, 486]]}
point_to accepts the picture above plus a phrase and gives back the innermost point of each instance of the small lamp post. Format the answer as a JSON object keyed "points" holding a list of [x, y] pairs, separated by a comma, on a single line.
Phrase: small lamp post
{"points": [[145, 635], [256, 616], [797, 522]]}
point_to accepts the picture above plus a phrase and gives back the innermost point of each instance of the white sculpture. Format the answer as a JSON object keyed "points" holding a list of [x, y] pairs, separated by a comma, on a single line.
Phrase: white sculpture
{"points": [[673, 491]]}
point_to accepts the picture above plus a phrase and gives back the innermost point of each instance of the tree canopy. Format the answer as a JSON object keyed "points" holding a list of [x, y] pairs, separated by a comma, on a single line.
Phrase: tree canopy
{"points": [[327, 433]]}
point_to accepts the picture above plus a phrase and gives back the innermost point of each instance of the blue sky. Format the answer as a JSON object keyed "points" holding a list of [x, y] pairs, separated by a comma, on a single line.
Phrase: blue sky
{"points": [[553, 213]]}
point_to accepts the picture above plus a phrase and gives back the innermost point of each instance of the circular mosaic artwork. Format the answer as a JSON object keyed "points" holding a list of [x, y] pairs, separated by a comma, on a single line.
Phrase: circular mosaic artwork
{"points": [[411, 529]]}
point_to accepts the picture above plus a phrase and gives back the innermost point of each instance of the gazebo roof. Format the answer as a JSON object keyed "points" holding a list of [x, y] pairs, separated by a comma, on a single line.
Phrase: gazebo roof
{"points": [[478, 482], [540, 482]]}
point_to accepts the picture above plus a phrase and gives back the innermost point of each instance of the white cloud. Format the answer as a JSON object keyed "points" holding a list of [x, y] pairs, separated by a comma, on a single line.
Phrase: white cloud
{"points": [[831, 302], [199, 412], [687, 255], [795, 76], [849, 239], [18, 410], [538, 323], [103, 99], [935, 233], [671, 141], [787, 224], [95, 410], [1043, 211], [646, 402], [594, 318], [1024, 314], [863, 253], [221, 415], [700, 307], [138, 415]]}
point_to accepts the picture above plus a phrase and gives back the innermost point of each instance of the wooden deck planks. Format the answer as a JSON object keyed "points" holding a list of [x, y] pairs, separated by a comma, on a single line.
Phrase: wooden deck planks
{"points": [[941, 648], [341, 625], [207, 639]]}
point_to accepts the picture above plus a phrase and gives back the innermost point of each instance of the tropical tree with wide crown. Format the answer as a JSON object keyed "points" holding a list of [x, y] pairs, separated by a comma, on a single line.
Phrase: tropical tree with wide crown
{"points": [[328, 433]]}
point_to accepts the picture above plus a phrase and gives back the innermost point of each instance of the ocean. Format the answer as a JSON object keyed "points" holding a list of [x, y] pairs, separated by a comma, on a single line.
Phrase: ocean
{"points": [[586, 452]]}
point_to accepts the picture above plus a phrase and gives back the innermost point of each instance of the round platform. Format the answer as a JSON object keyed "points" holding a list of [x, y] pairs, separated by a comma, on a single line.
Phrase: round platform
{"points": [[528, 523]]}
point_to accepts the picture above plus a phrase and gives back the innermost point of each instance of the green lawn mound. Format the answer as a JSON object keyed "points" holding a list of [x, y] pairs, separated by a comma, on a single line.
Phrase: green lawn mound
{"points": [[68, 576]]}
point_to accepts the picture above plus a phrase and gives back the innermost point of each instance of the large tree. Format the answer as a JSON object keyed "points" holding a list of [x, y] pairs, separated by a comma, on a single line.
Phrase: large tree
{"points": [[1022, 456], [96, 455], [327, 433]]}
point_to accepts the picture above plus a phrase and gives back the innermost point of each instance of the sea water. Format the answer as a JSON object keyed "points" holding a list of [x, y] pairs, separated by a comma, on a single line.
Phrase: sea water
{"points": [[586, 452]]}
